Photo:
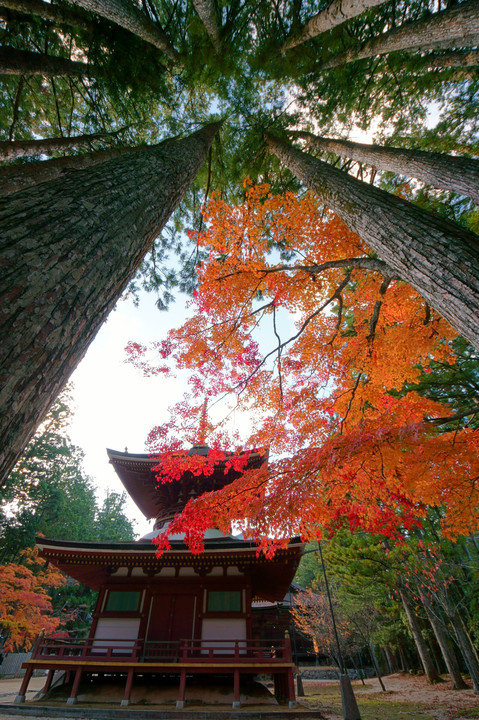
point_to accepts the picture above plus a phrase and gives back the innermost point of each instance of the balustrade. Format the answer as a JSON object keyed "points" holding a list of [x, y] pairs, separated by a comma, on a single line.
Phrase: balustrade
{"points": [[139, 650]]}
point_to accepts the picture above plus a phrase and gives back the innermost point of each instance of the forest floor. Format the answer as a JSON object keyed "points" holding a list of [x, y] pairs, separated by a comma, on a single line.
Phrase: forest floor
{"points": [[407, 697]]}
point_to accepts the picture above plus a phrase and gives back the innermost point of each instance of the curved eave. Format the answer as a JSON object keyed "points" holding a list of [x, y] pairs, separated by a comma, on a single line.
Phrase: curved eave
{"points": [[136, 472], [94, 563]]}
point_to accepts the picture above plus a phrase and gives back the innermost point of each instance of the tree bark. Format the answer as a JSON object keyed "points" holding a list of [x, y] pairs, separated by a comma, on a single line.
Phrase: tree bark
{"points": [[426, 660], [467, 649], [376, 666], [444, 645], [128, 15], [59, 15], [390, 659], [24, 62], [338, 12], [69, 248], [207, 15], [453, 59], [403, 663], [10, 150], [447, 172], [437, 257], [456, 27], [19, 177]]}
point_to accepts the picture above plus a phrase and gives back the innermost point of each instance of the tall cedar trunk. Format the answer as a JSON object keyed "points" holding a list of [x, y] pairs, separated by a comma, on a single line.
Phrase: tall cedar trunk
{"points": [[9, 150], [453, 59], [438, 258], [376, 666], [451, 74], [19, 177], [447, 172], [389, 659], [335, 14], [403, 663], [438, 142], [69, 249], [61, 15], [24, 62], [457, 27], [467, 649], [447, 650], [128, 15], [426, 660], [206, 12]]}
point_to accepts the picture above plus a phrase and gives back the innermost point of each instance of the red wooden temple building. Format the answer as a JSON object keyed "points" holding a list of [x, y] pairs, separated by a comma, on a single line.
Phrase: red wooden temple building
{"points": [[177, 616]]}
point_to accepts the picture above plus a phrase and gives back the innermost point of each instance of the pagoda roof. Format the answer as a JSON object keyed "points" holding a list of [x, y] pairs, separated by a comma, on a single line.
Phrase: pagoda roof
{"points": [[162, 500], [94, 563]]}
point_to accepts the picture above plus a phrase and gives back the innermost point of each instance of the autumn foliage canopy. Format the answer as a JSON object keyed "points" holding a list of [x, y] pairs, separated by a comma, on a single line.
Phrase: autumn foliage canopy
{"points": [[302, 328]]}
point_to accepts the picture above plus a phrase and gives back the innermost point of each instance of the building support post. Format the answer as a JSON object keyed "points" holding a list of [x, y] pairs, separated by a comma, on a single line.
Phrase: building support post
{"points": [[48, 683], [23, 688], [291, 696], [236, 690], [180, 703], [76, 684], [129, 683]]}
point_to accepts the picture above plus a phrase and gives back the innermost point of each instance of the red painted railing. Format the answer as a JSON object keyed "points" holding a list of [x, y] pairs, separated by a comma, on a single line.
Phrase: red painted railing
{"points": [[87, 649], [201, 651]]}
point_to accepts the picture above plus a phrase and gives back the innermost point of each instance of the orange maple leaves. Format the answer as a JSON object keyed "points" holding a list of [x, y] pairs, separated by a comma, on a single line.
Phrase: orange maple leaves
{"points": [[309, 332], [25, 606]]}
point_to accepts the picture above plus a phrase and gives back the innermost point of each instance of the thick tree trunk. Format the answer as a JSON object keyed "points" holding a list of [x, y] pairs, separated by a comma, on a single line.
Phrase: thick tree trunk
{"points": [[467, 649], [128, 15], [390, 659], [69, 248], [19, 177], [12, 149], [449, 75], [376, 666], [426, 660], [60, 15], [453, 59], [456, 27], [447, 651], [24, 62], [335, 14], [403, 663], [206, 12], [438, 258], [447, 172]]}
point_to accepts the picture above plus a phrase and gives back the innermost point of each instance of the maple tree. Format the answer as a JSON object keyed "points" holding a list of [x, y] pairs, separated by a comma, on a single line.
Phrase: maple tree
{"points": [[345, 335], [312, 616], [25, 603]]}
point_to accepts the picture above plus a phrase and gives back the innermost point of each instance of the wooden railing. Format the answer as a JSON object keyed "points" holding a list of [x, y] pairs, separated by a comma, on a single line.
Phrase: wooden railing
{"points": [[87, 649], [240, 650], [180, 651]]}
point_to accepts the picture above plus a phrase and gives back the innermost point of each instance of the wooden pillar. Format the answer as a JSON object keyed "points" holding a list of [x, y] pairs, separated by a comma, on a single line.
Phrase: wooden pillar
{"points": [[279, 690], [48, 683], [128, 686], [23, 688], [291, 696], [236, 690], [76, 684], [180, 703]]}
